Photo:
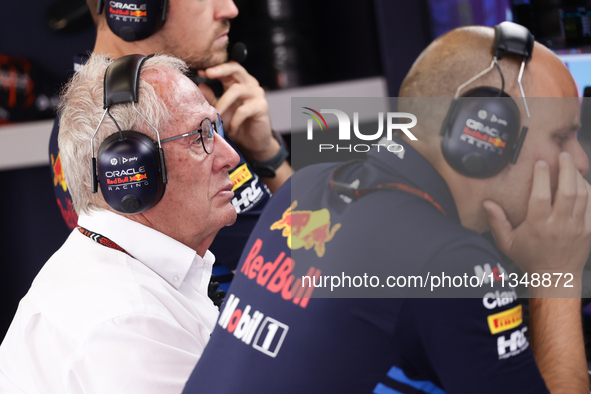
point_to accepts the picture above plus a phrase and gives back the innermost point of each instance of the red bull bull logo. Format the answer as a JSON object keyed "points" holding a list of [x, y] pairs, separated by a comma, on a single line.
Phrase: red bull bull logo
{"points": [[306, 229], [68, 213], [138, 177], [496, 141], [58, 172]]}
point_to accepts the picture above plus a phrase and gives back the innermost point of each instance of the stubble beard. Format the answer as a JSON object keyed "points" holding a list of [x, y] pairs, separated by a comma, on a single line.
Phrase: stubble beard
{"points": [[211, 57]]}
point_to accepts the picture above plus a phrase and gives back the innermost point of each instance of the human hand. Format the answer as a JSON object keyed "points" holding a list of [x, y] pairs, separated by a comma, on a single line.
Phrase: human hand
{"points": [[554, 237], [244, 110]]}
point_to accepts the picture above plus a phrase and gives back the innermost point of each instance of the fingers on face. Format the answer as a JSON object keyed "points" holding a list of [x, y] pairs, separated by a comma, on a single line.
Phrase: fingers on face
{"points": [[540, 201], [230, 96], [500, 226], [566, 194], [582, 198], [239, 93], [230, 73], [588, 209], [250, 109]]}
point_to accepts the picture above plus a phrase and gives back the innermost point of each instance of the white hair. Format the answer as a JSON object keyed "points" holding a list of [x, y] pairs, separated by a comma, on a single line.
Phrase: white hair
{"points": [[81, 110]]}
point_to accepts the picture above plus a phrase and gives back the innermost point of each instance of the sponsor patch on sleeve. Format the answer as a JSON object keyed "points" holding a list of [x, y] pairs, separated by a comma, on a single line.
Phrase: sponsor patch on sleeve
{"points": [[240, 176], [505, 320]]}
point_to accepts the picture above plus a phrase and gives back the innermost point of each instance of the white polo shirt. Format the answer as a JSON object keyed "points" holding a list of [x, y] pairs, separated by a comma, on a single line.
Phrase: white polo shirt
{"points": [[96, 320]]}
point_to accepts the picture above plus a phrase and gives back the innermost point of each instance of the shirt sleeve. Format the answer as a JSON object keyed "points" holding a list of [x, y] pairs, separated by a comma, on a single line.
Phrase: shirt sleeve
{"points": [[135, 353], [477, 343]]}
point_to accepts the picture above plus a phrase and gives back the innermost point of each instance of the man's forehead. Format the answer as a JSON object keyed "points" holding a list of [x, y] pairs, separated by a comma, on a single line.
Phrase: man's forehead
{"points": [[193, 103]]}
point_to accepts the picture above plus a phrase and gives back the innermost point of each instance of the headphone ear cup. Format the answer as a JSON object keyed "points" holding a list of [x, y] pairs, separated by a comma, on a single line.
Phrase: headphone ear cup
{"points": [[134, 20], [130, 172], [480, 131]]}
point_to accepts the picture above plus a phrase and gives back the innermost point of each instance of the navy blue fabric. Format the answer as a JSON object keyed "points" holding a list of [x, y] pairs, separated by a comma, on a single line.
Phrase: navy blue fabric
{"points": [[250, 199], [268, 341], [60, 187]]}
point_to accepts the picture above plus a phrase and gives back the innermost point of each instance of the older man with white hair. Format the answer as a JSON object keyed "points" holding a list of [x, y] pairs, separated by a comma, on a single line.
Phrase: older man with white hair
{"points": [[122, 306]]}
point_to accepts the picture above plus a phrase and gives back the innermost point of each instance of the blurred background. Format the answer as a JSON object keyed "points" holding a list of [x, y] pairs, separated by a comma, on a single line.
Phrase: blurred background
{"points": [[323, 48]]}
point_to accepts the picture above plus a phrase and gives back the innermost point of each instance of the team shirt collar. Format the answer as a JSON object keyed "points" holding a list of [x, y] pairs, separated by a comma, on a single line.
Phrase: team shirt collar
{"points": [[417, 171]]}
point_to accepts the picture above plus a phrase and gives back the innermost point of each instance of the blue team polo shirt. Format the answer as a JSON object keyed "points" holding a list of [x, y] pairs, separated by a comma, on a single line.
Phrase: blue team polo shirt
{"points": [[272, 337]]}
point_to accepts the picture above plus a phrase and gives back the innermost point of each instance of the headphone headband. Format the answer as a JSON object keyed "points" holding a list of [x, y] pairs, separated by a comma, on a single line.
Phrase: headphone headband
{"points": [[513, 39], [122, 80]]}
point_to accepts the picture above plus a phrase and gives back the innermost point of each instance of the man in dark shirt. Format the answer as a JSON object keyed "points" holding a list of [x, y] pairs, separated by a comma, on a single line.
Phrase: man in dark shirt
{"points": [[279, 333]]}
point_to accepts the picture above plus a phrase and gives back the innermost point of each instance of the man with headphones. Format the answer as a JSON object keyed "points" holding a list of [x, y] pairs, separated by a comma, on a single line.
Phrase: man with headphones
{"points": [[287, 325], [197, 32], [122, 306]]}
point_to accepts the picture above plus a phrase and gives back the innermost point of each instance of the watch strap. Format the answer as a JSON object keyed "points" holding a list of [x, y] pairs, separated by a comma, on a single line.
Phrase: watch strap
{"points": [[267, 168]]}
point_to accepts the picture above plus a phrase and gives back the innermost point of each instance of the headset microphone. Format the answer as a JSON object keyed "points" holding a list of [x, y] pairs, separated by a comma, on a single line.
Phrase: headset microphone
{"points": [[238, 52]]}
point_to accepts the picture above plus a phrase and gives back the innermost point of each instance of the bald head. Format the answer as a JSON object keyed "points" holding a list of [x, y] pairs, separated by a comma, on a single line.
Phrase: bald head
{"points": [[453, 59], [459, 55]]}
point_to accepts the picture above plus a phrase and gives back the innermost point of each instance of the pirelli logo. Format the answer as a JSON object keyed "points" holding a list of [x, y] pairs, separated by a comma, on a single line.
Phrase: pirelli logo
{"points": [[240, 176], [505, 320]]}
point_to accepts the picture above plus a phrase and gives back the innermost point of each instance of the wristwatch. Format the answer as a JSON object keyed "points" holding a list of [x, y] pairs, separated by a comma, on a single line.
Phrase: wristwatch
{"points": [[266, 169]]}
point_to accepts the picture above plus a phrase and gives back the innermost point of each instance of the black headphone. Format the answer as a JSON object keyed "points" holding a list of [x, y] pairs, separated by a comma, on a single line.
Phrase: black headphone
{"points": [[129, 165], [134, 20], [481, 129]]}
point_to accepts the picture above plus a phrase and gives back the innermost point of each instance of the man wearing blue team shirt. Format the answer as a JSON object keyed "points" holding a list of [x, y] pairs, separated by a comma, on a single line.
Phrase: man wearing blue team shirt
{"points": [[274, 337]]}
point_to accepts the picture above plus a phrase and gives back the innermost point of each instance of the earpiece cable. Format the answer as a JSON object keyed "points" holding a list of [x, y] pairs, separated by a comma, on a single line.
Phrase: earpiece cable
{"points": [[95, 131], [146, 120], [502, 78], [474, 78], [116, 124]]}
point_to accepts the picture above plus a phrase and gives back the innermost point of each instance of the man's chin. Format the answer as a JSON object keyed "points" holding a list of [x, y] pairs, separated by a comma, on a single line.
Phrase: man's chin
{"points": [[210, 60], [231, 222], [232, 217]]}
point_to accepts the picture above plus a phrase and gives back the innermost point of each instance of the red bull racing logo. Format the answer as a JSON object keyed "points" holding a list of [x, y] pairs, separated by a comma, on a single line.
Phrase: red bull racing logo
{"points": [[123, 10], [496, 142], [306, 229], [127, 179], [138, 177], [486, 137], [124, 179], [58, 172]]}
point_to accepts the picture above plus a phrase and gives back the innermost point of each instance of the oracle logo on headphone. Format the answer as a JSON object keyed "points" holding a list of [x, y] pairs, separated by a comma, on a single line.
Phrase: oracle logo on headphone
{"points": [[125, 6], [131, 171], [475, 125]]}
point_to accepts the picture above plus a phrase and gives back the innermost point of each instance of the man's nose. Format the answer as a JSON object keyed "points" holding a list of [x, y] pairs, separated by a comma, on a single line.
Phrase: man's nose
{"points": [[226, 9], [225, 153]]}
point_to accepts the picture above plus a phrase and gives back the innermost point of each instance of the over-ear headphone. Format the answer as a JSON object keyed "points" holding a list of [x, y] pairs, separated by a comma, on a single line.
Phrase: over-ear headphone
{"points": [[481, 129], [134, 20], [129, 165]]}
